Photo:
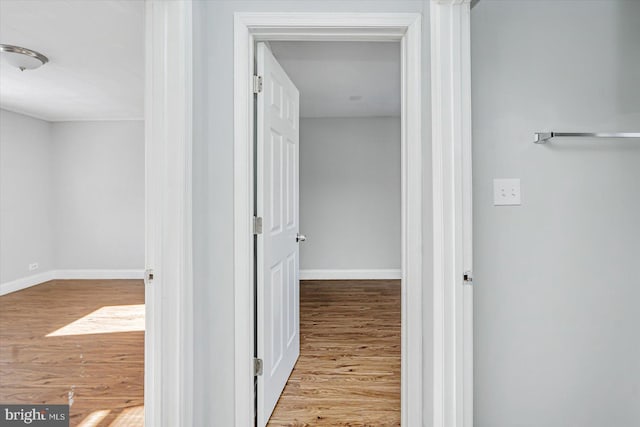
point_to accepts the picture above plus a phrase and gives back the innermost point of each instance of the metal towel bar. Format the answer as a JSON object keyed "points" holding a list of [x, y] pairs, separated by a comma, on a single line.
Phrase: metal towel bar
{"points": [[543, 137]]}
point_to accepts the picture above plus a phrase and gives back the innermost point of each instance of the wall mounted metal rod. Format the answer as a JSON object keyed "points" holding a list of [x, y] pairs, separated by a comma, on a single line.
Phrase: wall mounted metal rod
{"points": [[543, 137]]}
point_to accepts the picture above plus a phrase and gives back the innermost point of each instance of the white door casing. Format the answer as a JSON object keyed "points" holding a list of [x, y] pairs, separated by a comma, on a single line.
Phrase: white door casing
{"points": [[452, 213], [443, 403], [250, 28], [169, 340], [278, 275]]}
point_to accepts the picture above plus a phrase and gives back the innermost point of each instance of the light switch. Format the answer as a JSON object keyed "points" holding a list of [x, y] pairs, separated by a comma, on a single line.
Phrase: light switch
{"points": [[506, 192]]}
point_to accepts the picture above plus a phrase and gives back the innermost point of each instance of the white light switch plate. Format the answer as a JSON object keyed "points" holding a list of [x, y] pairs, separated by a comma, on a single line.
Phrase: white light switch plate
{"points": [[506, 192]]}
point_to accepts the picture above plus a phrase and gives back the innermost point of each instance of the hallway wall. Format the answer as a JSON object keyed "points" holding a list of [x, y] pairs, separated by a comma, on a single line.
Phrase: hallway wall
{"points": [[556, 281]]}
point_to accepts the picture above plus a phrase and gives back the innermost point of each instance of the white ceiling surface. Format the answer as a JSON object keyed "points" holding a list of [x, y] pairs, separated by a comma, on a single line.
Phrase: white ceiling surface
{"points": [[327, 74], [96, 59]]}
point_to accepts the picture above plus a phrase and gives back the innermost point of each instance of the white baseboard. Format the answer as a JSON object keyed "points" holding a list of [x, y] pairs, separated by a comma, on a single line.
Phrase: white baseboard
{"points": [[98, 274], [25, 282], [350, 274], [36, 279]]}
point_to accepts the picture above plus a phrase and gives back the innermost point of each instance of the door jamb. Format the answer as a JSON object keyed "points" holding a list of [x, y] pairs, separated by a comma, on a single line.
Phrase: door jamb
{"points": [[169, 345], [251, 27], [452, 213]]}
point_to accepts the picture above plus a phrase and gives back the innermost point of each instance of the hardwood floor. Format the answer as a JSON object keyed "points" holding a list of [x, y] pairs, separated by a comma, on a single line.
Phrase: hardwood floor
{"points": [[85, 340], [76, 340], [348, 373]]}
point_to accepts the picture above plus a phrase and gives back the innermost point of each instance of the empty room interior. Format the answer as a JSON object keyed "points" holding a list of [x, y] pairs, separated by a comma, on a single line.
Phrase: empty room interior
{"points": [[72, 304], [251, 213]]}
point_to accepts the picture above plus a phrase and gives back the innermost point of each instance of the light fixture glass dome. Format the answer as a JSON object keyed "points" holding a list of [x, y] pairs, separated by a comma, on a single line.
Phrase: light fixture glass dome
{"points": [[22, 58]]}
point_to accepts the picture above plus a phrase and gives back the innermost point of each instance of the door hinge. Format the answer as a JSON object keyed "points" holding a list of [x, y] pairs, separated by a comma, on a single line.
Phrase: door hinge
{"points": [[257, 367], [148, 276], [257, 84], [257, 225], [468, 278]]}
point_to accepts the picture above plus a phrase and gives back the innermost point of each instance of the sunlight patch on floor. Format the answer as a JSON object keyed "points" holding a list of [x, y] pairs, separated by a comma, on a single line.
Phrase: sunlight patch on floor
{"points": [[108, 319], [129, 417], [94, 418]]}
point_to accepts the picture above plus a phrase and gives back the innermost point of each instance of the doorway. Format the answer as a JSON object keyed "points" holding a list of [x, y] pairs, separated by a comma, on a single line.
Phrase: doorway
{"points": [[405, 28], [328, 163]]}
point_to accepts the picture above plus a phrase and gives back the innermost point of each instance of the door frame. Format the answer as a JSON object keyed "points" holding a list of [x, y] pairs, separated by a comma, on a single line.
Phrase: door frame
{"points": [[406, 28], [169, 342], [451, 358], [452, 213]]}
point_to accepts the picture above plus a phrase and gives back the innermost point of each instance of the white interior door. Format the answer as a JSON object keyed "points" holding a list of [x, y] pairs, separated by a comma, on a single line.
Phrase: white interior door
{"points": [[277, 267]]}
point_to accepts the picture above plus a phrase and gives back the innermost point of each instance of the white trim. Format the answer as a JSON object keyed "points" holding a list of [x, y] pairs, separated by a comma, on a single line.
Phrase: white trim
{"points": [[464, 203], [406, 27], [242, 225], [71, 119], [97, 119], [169, 345], [25, 282], [412, 378], [451, 154], [97, 274], [37, 279], [23, 113], [351, 274]]}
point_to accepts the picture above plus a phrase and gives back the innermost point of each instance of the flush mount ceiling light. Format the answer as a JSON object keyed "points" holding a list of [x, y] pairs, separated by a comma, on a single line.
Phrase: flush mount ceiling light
{"points": [[22, 58]]}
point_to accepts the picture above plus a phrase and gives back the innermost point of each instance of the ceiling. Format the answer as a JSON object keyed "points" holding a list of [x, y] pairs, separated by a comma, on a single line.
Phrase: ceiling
{"points": [[343, 79], [96, 59]]}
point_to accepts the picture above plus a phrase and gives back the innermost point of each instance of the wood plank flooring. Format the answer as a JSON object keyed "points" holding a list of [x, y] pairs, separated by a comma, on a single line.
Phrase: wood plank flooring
{"points": [[83, 339], [76, 340], [348, 373]]}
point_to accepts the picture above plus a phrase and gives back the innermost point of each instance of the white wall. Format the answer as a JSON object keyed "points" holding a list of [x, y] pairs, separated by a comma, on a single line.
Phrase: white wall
{"points": [[25, 196], [98, 175], [71, 198], [556, 280], [350, 193], [213, 190]]}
